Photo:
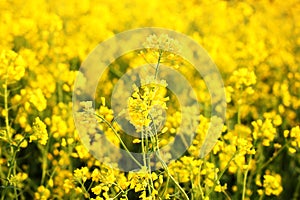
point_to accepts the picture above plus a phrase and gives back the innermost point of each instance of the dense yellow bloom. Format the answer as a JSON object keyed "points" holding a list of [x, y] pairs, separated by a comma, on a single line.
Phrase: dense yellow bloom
{"points": [[145, 102], [161, 42], [97, 189], [18, 179], [294, 135], [37, 98], [272, 184], [12, 66], [68, 185], [42, 193], [39, 132], [220, 188], [264, 130], [82, 174], [243, 78], [255, 45]]}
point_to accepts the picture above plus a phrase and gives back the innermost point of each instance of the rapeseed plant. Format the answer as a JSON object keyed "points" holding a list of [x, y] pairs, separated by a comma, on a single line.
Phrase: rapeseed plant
{"points": [[254, 44]]}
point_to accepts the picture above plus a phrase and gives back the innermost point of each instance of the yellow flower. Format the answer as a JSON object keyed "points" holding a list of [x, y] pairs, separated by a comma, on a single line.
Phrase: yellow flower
{"points": [[68, 185], [82, 152], [96, 175], [42, 193], [272, 184], [144, 103], [295, 135], [136, 141], [38, 99], [21, 141], [97, 189], [264, 130], [17, 179], [39, 132], [162, 42], [242, 78], [82, 174], [220, 188], [12, 66]]}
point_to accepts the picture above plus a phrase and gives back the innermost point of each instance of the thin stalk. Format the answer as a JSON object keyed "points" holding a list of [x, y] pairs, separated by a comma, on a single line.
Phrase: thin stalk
{"points": [[149, 165], [274, 156], [86, 193], [239, 115], [226, 195], [221, 174], [185, 196], [122, 191], [145, 146], [165, 165], [262, 196], [296, 193], [6, 110], [199, 177], [121, 141], [245, 179], [154, 140], [44, 163], [157, 65], [12, 167]]}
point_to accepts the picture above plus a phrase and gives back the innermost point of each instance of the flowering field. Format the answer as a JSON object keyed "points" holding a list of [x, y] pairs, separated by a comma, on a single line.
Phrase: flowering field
{"points": [[254, 44]]}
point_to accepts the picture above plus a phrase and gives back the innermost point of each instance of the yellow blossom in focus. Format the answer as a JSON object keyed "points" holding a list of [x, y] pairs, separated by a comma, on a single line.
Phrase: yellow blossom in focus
{"points": [[264, 130], [144, 102], [82, 174], [97, 189], [272, 184]]}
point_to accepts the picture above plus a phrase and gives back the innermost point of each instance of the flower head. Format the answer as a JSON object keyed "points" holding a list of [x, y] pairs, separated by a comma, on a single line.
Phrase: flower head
{"points": [[39, 132]]}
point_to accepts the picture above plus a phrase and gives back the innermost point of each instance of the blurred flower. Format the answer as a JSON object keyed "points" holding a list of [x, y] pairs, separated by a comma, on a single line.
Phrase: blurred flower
{"points": [[39, 132], [12, 66]]}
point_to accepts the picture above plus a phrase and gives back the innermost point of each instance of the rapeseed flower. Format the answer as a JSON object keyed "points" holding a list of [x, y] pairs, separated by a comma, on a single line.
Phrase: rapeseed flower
{"points": [[39, 132]]}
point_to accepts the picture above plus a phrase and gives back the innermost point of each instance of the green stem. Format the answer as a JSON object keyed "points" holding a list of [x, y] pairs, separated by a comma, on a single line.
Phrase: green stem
{"points": [[245, 179], [239, 115], [274, 156], [221, 174], [149, 169], [157, 65], [6, 110], [296, 193], [120, 139], [154, 140], [166, 167], [11, 162], [262, 196], [122, 191], [199, 177], [145, 146], [227, 195], [86, 193], [185, 196], [44, 161]]}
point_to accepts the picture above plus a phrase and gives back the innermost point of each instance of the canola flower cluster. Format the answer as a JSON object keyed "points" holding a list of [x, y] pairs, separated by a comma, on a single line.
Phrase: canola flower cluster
{"points": [[256, 46]]}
